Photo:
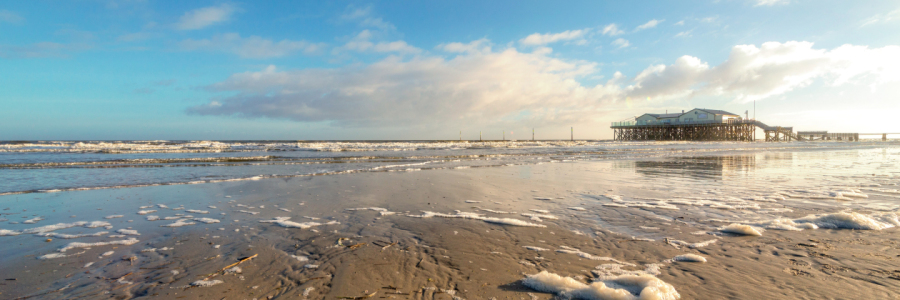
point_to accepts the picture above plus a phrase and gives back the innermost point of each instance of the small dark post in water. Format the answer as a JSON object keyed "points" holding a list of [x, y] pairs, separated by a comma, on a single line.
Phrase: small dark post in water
{"points": [[532, 134], [884, 137], [479, 137]]}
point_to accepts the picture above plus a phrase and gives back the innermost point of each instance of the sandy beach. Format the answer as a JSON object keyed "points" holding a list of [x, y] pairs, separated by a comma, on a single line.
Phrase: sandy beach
{"points": [[476, 233]]}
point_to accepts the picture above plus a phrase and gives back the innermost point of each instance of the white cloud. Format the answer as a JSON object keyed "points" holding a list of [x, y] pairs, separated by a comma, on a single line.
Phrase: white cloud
{"points": [[363, 15], [204, 17], [770, 2], [361, 43], [650, 24], [471, 88], [543, 39], [612, 30], [10, 17], [251, 47], [483, 87], [882, 18], [684, 33], [752, 72], [482, 45], [679, 23], [621, 43]]}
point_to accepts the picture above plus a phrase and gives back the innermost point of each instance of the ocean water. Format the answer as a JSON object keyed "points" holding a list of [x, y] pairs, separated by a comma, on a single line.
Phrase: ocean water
{"points": [[50, 166]]}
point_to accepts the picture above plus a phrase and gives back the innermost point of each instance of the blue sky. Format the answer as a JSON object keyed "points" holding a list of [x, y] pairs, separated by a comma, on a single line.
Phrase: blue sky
{"points": [[428, 70]]}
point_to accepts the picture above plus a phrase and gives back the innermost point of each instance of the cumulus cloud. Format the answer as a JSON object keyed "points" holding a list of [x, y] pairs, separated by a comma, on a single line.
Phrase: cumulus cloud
{"points": [[361, 43], [537, 39], [10, 17], [649, 24], [753, 73], [480, 86], [612, 30], [769, 2], [204, 17], [251, 47], [474, 87], [482, 45], [621, 43], [363, 15]]}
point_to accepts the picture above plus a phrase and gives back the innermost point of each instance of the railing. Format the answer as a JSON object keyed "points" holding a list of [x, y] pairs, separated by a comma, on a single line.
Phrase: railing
{"points": [[623, 123], [678, 122]]}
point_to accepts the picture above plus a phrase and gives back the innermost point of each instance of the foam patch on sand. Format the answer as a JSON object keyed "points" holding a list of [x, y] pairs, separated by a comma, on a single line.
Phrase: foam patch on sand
{"points": [[144, 212], [577, 208], [540, 217], [113, 217], [496, 211], [852, 220], [74, 245], [54, 227], [179, 223], [283, 222], [206, 283], [787, 224], [693, 245], [642, 287], [152, 218], [742, 229], [474, 216], [248, 212], [32, 221], [840, 220], [7, 232], [381, 211], [197, 211], [690, 258], [128, 232], [71, 236], [207, 220], [59, 255], [533, 248]]}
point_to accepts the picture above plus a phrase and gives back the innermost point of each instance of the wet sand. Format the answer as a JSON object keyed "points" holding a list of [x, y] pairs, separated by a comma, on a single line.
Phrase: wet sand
{"points": [[389, 252]]}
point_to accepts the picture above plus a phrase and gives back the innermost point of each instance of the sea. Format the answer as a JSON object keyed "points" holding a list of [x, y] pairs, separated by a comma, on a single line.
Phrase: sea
{"points": [[54, 166]]}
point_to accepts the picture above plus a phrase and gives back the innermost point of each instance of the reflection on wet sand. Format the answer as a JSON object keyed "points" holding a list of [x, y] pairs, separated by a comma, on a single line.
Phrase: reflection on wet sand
{"points": [[699, 168]]}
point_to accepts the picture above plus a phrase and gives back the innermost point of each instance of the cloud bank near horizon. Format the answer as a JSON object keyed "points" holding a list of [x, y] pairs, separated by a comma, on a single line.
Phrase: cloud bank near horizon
{"points": [[473, 84], [479, 85]]}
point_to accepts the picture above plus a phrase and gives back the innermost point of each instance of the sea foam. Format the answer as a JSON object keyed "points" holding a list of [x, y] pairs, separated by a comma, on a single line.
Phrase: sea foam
{"points": [[642, 287]]}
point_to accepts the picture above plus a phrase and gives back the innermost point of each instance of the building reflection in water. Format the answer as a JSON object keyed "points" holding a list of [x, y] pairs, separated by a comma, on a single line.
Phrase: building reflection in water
{"points": [[700, 167]]}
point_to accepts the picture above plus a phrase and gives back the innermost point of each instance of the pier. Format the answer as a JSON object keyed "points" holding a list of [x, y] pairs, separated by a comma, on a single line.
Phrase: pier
{"points": [[702, 124]]}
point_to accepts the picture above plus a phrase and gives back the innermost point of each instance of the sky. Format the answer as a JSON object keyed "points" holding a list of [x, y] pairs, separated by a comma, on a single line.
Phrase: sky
{"points": [[410, 70]]}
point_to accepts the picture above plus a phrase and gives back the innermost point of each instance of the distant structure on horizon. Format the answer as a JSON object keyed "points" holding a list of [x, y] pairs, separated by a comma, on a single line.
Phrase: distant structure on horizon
{"points": [[699, 124]]}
